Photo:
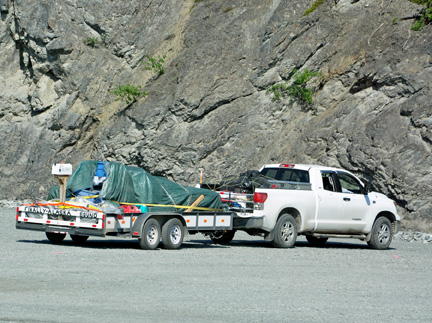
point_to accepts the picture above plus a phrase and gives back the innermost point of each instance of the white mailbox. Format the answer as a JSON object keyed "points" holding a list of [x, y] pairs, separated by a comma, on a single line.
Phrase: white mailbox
{"points": [[62, 169]]}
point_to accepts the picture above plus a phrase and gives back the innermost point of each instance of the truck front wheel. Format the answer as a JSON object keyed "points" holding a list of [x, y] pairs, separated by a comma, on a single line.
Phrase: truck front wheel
{"points": [[222, 237], [285, 232], [150, 235], [172, 234], [381, 235], [55, 237]]}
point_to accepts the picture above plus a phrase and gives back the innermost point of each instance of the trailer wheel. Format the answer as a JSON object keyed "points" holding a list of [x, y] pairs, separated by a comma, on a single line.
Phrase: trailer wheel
{"points": [[150, 235], [172, 234], [382, 233], [55, 237], [78, 239], [285, 232], [221, 237], [315, 241]]}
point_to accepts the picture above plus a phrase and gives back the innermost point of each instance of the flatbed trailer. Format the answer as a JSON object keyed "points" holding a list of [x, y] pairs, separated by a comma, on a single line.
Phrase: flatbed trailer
{"points": [[150, 228]]}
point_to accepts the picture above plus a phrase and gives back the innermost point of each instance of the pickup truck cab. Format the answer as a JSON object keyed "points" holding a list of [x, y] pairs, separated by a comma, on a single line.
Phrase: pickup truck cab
{"points": [[318, 202]]}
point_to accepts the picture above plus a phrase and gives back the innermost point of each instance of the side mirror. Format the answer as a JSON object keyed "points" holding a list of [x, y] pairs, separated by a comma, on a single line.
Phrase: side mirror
{"points": [[366, 188]]}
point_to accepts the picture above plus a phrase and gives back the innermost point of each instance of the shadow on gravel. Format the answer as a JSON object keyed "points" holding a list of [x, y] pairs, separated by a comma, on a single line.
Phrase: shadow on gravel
{"points": [[119, 244], [197, 244]]}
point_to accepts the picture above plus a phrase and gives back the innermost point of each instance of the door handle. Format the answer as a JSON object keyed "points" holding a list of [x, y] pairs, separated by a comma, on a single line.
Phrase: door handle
{"points": [[347, 199]]}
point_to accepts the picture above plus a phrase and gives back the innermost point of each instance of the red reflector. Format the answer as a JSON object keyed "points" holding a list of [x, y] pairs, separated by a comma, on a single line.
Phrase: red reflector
{"points": [[260, 197], [25, 220], [48, 221], [135, 233], [287, 165], [72, 223]]}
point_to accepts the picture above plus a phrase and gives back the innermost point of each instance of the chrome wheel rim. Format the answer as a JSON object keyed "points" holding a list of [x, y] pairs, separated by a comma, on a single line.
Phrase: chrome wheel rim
{"points": [[175, 234], [152, 234], [384, 234], [287, 231]]}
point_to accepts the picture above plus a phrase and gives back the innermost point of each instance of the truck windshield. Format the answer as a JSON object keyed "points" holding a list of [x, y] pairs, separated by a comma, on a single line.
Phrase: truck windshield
{"points": [[286, 174]]}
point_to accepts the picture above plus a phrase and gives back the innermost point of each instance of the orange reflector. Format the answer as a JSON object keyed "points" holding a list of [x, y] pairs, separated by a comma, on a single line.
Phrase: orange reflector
{"points": [[205, 221], [133, 219], [123, 222], [223, 220], [187, 220]]}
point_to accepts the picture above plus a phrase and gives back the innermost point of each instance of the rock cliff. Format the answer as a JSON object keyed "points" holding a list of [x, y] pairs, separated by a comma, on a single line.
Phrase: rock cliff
{"points": [[210, 110]]}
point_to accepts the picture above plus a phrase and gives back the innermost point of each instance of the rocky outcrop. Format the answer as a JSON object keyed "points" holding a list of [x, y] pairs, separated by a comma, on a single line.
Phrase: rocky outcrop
{"points": [[210, 110]]}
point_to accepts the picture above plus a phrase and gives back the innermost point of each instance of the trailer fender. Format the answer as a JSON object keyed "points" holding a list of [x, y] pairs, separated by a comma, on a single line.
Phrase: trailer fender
{"points": [[138, 224]]}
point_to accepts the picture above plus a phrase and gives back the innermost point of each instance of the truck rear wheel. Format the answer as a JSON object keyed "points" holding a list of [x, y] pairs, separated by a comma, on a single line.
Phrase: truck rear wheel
{"points": [[55, 237], [172, 234], [285, 232], [78, 239], [315, 241], [222, 237], [150, 235], [382, 234]]}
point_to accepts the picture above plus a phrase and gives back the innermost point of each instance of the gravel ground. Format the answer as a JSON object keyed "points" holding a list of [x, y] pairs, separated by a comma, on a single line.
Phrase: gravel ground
{"points": [[112, 280]]}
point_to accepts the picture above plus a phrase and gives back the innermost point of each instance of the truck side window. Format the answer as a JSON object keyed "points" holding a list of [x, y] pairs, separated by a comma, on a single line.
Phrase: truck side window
{"points": [[328, 182], [349, 184]]}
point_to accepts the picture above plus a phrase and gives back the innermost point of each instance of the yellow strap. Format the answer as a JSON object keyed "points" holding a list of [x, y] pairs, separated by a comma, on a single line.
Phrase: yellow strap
{"points": [[159, 205], [174, 206]]}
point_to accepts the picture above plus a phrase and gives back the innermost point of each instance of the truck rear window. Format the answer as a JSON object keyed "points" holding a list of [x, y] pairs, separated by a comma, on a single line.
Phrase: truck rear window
{"points": [[286, 174]]}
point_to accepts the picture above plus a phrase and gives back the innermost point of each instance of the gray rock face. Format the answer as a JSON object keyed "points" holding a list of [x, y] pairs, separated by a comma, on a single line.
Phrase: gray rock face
{"points": [[210, 110]]}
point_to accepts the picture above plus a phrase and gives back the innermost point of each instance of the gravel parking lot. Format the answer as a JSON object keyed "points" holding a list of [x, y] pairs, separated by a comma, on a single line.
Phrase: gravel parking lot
{"points": [[112, 280]]}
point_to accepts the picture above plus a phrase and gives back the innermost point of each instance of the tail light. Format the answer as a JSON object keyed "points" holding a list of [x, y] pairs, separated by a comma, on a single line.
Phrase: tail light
{"points": [[287, 165], [260, 197]]}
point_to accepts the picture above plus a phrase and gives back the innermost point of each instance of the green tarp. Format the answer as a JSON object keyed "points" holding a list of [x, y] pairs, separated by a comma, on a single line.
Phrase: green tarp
{"points": [[128, 184]]}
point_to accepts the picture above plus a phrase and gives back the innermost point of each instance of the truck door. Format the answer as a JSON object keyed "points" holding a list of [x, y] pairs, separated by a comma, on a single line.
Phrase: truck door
{"points": [[355, 204], [330, 203]]}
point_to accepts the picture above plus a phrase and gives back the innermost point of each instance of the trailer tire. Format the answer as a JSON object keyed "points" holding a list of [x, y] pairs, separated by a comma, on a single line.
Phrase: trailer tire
{"points": [[78, 239], [285, 232], [316, 242], [381, 235], [55, 237], [222, 237], [172, 234], [150, 235]]}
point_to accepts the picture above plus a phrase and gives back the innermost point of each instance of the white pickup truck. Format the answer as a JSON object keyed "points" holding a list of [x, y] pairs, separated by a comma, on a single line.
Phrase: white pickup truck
{"points": [[318, 202]]}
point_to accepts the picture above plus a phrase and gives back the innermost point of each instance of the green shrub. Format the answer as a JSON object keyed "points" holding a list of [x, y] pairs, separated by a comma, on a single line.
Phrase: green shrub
{"points": [[91, 41], [129, 93], [298, 90], [315, 5], [155, 64], [425, 15]]}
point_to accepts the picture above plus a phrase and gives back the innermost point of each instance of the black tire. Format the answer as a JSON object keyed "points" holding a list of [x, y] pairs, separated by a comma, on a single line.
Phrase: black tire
{"points": [[150, 235], [222, 237], [78, 239], [315, 241], [382, 234], [285, 232], [55, 237], [172, 234]]}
